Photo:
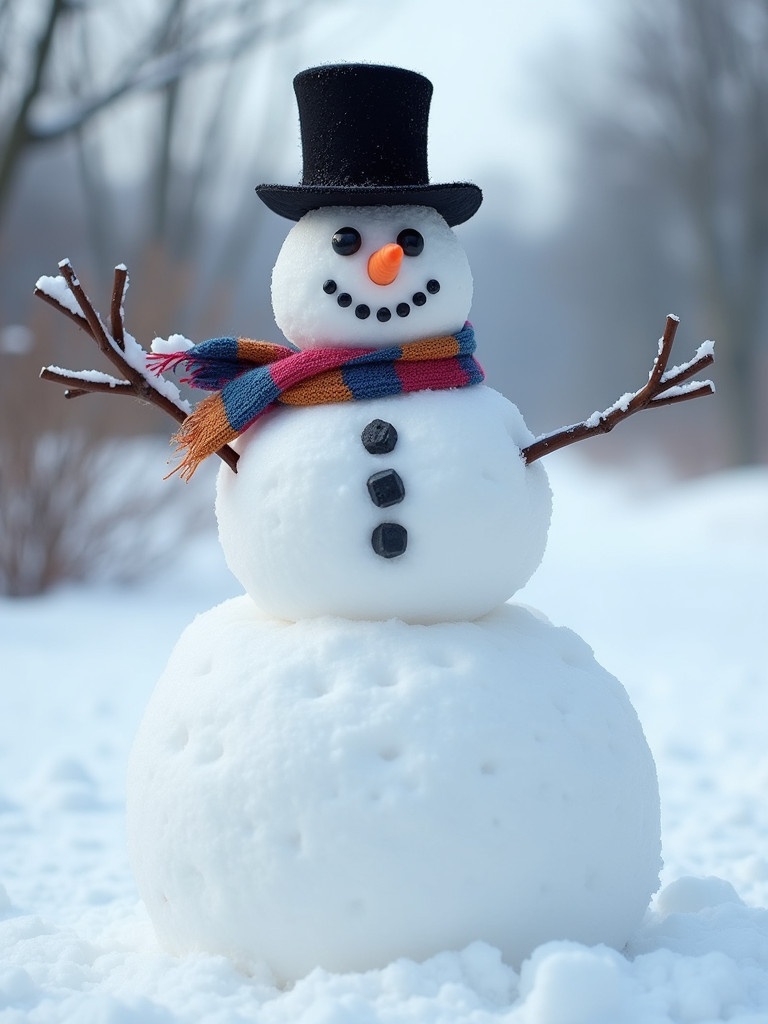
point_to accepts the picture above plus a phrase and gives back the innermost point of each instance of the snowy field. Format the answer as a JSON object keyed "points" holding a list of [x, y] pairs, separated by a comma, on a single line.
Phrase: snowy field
{"points": [[667, 581]]}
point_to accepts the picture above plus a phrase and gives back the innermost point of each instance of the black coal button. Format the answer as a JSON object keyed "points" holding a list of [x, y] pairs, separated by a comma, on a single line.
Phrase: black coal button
{"points": [[389, 540], [379, 437], [386, 488]]}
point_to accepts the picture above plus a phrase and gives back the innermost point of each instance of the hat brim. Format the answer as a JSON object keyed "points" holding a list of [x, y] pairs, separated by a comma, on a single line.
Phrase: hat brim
{"points": [[455, 202]]}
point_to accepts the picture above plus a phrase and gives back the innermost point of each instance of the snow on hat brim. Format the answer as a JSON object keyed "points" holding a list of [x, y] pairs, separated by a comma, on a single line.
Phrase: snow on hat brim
{"points": [[455, 202]]}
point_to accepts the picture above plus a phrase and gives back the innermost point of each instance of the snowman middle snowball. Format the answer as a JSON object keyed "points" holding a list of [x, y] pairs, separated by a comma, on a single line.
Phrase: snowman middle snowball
{"points": [[469, 519]]}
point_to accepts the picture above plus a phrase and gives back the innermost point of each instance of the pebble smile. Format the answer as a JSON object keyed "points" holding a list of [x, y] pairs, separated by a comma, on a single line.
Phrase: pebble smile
{"points": [[383, 313]]}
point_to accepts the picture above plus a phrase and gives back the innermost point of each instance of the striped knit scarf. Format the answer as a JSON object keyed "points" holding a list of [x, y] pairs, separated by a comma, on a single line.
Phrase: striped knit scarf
{"points": [[249, 377]]}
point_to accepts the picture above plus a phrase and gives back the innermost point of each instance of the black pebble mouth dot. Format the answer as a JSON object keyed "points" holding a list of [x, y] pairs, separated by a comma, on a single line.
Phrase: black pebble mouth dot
{"points": [[384, 314]]}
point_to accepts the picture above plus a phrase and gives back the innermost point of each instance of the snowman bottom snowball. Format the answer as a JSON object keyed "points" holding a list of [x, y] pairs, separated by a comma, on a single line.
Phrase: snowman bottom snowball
{"points": [[340, 793]]}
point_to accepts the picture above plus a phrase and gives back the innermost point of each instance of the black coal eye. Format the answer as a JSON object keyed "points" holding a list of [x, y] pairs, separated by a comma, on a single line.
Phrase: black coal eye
{"points": [[410, 241], [346, 241]]}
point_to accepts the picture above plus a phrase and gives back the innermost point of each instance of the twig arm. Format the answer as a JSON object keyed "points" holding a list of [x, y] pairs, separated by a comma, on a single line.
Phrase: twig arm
{"points": [[86, 382], [66, 295], [76, 318], [659, 367], [664, 387], [119, 288]]}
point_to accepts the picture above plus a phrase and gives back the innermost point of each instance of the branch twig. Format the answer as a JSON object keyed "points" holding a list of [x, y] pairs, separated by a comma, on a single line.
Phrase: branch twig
{"points": [[136, 379], [116, 309], [663, 388], [73, 382]]}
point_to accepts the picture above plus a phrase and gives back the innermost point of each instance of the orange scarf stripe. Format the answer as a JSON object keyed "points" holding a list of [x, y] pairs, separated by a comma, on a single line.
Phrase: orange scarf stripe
{"points": [[445, 347], [323, 389], [261, 353]]}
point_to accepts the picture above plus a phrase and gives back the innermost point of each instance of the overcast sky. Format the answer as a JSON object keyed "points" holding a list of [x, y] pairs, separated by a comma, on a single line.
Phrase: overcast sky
{"points": [[487, 60]]}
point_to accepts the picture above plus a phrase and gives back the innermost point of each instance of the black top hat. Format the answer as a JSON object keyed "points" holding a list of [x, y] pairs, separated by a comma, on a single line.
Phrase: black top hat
{"points": [[364, 143]]}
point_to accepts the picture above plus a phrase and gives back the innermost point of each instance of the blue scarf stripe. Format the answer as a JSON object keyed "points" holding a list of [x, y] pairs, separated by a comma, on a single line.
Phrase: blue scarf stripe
{"points": [[254, 390], [218, 363], [379, 355], [362, 384], [472, 368], [466, 339]]}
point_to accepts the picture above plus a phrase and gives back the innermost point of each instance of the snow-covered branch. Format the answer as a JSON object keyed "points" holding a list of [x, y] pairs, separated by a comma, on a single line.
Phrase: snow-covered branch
{"points": [[664, 387], [65, 293]]}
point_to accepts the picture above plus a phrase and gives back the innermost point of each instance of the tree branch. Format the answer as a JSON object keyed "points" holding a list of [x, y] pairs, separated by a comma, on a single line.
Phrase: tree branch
{"points": [[122, 350], [664, 387], [20, 131], [157, 64], [78, 384], [119, 289]]}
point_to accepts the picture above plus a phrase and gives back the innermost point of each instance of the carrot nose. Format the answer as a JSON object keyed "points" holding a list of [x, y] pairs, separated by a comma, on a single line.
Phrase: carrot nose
{"points": [[384, 264]]}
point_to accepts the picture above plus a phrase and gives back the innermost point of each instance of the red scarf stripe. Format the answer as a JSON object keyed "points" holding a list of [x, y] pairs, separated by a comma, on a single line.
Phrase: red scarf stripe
{"points": [[287, 373], [429, 377]]}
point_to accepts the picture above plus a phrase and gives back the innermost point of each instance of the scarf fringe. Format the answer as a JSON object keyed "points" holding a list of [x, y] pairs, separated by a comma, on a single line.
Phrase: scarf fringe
{"points": [[202, 433], [163, 362]]}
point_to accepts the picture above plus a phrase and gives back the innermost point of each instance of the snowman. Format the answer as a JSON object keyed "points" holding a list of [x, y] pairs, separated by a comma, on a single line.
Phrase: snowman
{"points": [[372, 753]]}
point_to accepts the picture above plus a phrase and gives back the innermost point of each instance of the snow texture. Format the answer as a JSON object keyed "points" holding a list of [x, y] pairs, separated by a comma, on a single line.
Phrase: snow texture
{"points": [[399, 789], [476, 516], [76, 946], [136, 356], [686, 388], [58, 288], [173, 343], [706, 348], [620, 405], [95, 376]]}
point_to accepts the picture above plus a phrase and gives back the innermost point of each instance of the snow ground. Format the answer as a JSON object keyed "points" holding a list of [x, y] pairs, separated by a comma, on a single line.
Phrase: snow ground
{"points": [[667, 581]]}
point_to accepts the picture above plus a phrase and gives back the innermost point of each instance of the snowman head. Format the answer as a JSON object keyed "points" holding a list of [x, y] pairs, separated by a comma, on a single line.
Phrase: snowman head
{"points": [[372, 276]]}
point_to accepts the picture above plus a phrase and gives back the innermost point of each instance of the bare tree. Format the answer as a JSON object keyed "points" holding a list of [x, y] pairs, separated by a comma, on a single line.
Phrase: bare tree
{"points": [[162, 85], [66, 62], [175, 91], [691, 123]]}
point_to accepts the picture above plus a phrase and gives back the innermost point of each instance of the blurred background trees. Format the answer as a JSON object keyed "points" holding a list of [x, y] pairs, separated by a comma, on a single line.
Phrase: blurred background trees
{"points": [[128, 133], [670, 209], [138, 117]]}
